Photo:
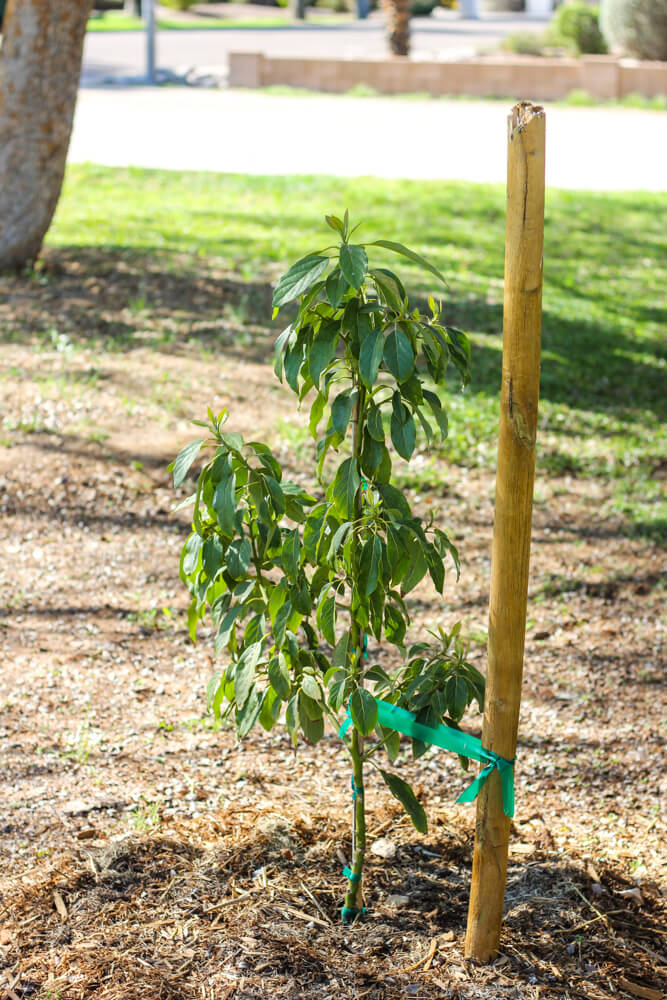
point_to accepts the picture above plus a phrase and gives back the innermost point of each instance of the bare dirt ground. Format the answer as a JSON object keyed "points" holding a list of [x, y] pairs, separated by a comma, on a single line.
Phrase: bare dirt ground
{"points": [[145, 855]]}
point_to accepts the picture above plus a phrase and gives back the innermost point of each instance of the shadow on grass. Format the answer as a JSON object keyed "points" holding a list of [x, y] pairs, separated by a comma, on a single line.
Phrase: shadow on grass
{"points": [[118, 299]]}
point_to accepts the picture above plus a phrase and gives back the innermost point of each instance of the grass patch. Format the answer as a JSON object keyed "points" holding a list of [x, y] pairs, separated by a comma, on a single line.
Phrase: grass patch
{"points": [[113, 20], [605, 307]]}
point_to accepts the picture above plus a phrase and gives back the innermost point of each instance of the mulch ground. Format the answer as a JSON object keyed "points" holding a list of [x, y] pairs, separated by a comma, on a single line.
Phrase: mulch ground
{"points": [[146, 855]]}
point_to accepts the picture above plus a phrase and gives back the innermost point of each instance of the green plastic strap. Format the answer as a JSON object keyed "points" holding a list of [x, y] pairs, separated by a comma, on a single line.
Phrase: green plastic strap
{"points": [[348, 913], [393, 717], [349, 874]]}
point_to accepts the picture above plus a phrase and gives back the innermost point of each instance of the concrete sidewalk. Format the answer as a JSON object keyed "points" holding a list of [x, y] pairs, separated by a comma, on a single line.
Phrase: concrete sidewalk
{"points": [[250, 132]]}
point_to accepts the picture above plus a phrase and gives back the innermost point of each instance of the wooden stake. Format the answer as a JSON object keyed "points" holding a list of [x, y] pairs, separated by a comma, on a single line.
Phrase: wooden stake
{"points": [[513, 513]]}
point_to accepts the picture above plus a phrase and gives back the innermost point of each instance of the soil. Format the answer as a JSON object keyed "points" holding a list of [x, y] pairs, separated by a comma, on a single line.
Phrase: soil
{"points": [[147, 855]]}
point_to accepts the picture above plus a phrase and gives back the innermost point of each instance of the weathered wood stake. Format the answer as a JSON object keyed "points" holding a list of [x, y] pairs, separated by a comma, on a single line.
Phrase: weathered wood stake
{"points": [[513, 513]]}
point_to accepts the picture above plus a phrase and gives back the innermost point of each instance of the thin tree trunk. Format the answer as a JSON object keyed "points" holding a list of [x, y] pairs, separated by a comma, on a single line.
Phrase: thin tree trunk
{"points": [[397, 14], [40, 63], [298, 9]]}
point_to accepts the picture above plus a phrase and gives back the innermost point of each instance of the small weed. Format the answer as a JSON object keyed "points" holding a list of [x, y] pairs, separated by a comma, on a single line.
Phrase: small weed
{"points": [[145, 816], [80, 743]]}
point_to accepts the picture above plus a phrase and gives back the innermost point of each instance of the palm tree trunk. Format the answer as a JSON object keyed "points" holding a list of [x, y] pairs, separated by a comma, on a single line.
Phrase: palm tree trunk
{"points": [[397, 14], [40, 63], [498, 5]]}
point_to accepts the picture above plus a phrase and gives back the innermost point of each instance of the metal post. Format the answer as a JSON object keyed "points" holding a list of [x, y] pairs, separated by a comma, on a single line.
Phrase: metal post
{"points": [[148, 12], [469, 9]]}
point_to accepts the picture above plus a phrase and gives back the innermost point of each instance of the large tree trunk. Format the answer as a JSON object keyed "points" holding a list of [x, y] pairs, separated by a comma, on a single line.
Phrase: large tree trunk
{"points": [[397, 14], [40, 63]]}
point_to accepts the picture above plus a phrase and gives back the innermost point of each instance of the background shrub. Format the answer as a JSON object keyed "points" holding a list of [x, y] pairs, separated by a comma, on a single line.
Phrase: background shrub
{"points": [[524, 43], [577, 27], [178, 4], [639, 27]]}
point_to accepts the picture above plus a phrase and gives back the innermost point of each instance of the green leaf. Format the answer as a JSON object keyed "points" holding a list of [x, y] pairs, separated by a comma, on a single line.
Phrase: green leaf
{"points": [[312, 729], [224, 503], [293, 363], [392, 743], [344, 487], [226, 626], [310, 687], [364, 711], [411, 255], [456, 696], [287, 337], [353, 264], [279, 677], [336, 286], [341, 654], [181, 465], [313, 530], [402, 427], [190, 556], [270, 709], [238, 558], [436, 568], [291, 553], [337, 691], [300, 277], [373, 456], [276, 494], [322, 350], [244, 675], [215, 691], [374, 423], [394, 625], [401, 790], [231, 440], [335, 223], [338, 537], [394, 500], [415, 573], [291, 719], [316, 411], [371, 559], [212, 556], [326, 617], [459, 348], [370, 356], [248, 716], [437, 411], [398, 355], [389, 289], [341, 410], [280, 624]]}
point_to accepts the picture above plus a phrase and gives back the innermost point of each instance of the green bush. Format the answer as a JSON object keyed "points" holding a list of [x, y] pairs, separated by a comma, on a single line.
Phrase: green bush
{"points": [[577, 26], [178, 4], [639, 27], [524, 43], [423, 8]]}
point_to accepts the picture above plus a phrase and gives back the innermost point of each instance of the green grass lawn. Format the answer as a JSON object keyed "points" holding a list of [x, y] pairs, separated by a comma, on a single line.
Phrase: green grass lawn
{"points": [[605, 293], [113, 20]]}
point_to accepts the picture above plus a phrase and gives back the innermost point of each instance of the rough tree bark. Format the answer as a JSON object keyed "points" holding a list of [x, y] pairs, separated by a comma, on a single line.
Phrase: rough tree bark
{"points": [[397, 14], [40, 63]]}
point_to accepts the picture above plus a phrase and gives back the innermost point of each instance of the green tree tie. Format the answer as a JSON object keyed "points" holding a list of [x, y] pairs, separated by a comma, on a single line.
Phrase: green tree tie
{"points": [[463, 744]]}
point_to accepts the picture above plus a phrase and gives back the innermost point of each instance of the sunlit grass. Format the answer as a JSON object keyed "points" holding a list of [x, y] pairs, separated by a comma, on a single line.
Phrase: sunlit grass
{"points": [[602, 410]]}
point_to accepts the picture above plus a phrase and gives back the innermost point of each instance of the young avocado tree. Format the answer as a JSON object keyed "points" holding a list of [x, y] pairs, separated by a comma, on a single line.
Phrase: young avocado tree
{"points": [[294, 583]]}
